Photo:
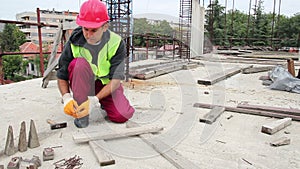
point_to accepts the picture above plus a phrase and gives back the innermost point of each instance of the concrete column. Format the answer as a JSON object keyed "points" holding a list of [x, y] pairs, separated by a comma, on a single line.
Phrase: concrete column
{"points": [[197, 29]]}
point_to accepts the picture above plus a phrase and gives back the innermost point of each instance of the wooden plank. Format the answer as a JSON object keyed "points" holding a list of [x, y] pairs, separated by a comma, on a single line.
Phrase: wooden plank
{"points": [[269, 108], [156, 70], [264, 78], [190, 65], [104, 158], [171, 155], [212, 115], [162, 71], [165, 150], [250, 111], [276, 126], [291, 67], [137, 67], [214, 78], [257, 69], [245, 60], [48, 73], [155, 66], [82, 137], [281, 141], [53, 61]]}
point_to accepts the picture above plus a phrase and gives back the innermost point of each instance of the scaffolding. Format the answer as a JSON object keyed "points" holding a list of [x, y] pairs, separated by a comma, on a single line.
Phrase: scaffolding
{"points": [[120, 12], [185, 20]]}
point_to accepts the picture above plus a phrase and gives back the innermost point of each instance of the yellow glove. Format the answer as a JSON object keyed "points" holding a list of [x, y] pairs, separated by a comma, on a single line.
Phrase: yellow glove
{"points": [[86, 107], [70, 105]]}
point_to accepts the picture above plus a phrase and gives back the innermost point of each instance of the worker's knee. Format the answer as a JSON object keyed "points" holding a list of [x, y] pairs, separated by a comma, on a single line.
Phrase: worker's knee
{"points": [[120, 117]]}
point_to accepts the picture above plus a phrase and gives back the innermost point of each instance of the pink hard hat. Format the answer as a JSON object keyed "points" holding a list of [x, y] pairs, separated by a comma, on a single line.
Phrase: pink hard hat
{"points": [[93, 14]]}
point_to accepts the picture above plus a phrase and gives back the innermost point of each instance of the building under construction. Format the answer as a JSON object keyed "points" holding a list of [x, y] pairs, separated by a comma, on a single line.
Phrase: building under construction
{"points": [[214, 110]]}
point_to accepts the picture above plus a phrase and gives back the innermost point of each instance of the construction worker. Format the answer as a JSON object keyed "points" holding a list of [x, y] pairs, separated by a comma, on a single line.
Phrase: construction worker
{"points": [[91, 67]]}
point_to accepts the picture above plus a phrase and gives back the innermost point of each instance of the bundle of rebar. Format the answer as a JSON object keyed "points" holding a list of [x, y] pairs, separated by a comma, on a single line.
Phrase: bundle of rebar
{"points": [[71, 163]]}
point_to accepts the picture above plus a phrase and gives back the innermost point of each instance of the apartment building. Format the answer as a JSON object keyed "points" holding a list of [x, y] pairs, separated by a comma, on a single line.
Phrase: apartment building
{"points": [[48, 17]]}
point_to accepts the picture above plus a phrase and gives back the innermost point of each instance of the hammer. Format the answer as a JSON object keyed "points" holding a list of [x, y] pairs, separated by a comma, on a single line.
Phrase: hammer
{"points": [[54, 125]]}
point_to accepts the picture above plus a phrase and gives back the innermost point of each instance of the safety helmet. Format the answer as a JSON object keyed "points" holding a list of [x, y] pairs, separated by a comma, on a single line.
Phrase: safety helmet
{"points": [[93, 14]]}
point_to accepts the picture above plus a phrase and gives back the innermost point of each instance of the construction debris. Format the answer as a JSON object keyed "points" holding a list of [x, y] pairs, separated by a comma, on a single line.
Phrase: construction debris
{"points": [[82, 137], [291, 111], [251, 111], [9, 146], [14, 163], [264, 78], [281, 141], [291, 67], [283, 80], [267, 82], [250, 60], [219, 76], [104, 158], [257, 69], [212, 115], [276, 126], [154, 70], [33, 140], [33, 163], [48, 154], [247, 161], [69, 163], [22, 146]]}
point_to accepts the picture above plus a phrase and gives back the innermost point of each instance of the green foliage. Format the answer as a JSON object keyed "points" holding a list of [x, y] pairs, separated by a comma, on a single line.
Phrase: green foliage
{"points": [[232, 28], [11, 38], [139, 41], [288, 30], [163, 28], [142, 27], [24, 65], [12, 64]]}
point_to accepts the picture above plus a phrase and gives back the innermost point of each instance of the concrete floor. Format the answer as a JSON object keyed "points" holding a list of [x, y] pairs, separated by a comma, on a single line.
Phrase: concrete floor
{"points": [[163, 101]]}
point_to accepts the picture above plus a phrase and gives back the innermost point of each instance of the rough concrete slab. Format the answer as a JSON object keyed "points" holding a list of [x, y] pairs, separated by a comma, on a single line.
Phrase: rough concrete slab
{"points": [[234, 142]]}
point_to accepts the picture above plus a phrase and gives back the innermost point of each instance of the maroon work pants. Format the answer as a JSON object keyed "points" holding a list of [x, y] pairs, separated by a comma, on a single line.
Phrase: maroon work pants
{"points": [[83, 84]]}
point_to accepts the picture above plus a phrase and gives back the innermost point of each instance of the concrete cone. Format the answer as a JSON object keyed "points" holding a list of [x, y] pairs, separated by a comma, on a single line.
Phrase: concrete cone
{"points": [[33, 140], [22, 138], [10, 147]]}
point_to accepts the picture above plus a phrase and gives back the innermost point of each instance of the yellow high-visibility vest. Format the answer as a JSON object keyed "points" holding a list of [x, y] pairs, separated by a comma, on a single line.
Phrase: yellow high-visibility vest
{"points": [[105, 54]]}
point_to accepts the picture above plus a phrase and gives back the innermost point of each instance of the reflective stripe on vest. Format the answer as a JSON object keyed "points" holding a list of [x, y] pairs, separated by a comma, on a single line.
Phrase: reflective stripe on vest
{"points": [[106, 53]]}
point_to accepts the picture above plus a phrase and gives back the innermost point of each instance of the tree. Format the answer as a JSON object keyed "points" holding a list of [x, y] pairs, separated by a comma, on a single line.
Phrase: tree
{"points": [[163, 28], [11, 38], [142, 27], [237, 27], [215, 19], [12, 64], [288, 31]]}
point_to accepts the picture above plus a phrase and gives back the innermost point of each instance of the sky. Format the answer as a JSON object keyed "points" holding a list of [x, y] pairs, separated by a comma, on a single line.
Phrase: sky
{"points": [[9, 8]]}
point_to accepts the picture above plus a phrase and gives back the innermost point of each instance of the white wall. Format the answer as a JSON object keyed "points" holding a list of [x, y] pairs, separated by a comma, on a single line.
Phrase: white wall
{"points": [[197, 29]]}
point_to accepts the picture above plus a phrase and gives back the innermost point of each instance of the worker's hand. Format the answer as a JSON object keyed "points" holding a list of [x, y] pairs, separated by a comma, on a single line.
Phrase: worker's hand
{"points": [[86, 107], [70, 105]]}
